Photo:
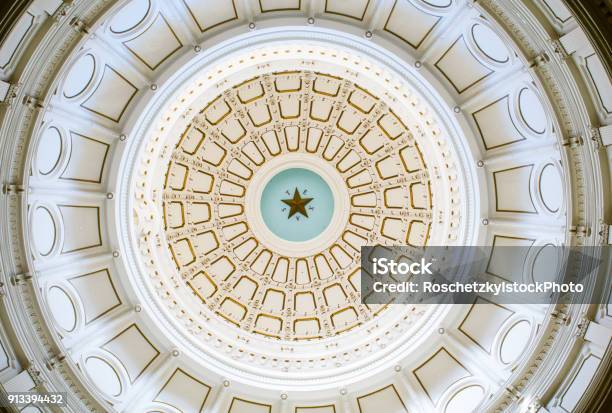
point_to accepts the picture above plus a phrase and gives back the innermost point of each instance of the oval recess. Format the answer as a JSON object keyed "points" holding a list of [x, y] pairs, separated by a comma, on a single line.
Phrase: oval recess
{"points": [[545, 264], [44, 232], [440, 4], [130, 16], [465, 400], [490, 43], [31, 409], [80, 76], [49, 150], [103, 375], [551, 188], [514, 342], [531, 111], [62, 308]]}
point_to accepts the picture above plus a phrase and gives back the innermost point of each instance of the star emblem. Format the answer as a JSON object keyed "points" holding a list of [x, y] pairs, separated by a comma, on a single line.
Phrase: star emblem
{"points": [[297, 204]]}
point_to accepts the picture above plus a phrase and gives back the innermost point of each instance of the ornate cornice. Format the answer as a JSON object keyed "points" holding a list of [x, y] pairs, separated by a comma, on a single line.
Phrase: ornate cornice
{"points": [[35, 343], [39, 347]]}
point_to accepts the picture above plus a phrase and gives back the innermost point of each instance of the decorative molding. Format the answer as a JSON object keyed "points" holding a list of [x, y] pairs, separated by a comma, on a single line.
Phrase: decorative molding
{"points": [[583, 160]]}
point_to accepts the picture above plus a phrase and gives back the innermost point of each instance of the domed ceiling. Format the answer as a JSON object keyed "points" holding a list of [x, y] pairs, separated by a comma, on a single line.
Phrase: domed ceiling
{"points": [[232, 268], [188, 184]]}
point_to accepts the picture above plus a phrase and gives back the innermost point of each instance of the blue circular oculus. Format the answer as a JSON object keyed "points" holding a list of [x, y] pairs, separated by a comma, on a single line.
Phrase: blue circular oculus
{"points": [[297, 205]]}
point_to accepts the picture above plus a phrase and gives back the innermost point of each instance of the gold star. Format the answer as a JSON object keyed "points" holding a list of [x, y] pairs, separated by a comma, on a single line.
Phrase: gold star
{"points": [[297, 204]]}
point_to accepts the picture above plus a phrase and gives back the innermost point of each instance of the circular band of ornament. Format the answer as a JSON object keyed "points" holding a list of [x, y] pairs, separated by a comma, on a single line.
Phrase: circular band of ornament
{"points": [[201, 104], [228, 257]]}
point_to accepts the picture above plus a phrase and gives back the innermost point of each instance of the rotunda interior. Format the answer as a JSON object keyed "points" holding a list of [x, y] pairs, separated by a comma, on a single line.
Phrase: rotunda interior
{"points": [[187, 186]]}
